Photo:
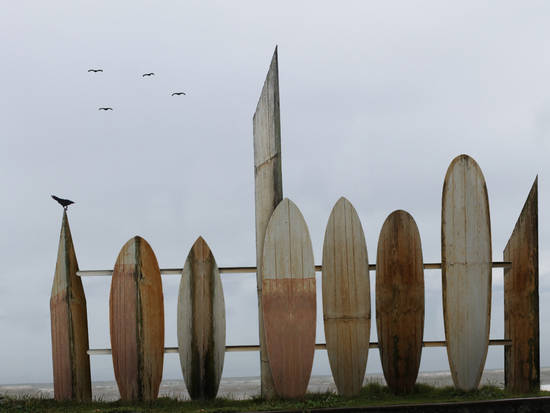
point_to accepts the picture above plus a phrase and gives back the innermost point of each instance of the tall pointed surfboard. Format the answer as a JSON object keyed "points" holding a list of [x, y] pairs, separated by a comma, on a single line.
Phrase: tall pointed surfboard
{"points": [[289, 304], [69, 322], [466, 270], [201, 323], [136, 316], [346, 298], [400, 300]]}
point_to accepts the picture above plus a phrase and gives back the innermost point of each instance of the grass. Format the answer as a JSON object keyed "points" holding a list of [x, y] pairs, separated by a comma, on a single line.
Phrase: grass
{"points": [[373, 394]]}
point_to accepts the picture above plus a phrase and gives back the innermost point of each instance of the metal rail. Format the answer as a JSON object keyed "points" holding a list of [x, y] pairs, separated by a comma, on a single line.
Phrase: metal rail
{"points": [[247, 270], [319, 346]]}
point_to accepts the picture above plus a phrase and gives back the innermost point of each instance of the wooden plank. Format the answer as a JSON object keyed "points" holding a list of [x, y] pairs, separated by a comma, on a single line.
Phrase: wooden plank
{"points": [[400, 300], [521, 300], [289, 304], [69, 325], [136, 318], [201, 323], [268, 183], [346, 298], [466, 270]]}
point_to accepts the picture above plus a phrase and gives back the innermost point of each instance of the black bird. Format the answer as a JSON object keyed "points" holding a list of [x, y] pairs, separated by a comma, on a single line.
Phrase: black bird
{"points": [[105, 109], [178, 93], [95, 70], [63, 202], [147, 74]]}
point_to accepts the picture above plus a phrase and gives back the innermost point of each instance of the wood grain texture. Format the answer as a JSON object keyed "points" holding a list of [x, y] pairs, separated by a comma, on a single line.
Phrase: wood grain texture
{"points": [[201, 323], [346, 298], [289, 304], [400, 300], [69, 325], [466, 270], [136, 316], [268, 183], [521, 301]]}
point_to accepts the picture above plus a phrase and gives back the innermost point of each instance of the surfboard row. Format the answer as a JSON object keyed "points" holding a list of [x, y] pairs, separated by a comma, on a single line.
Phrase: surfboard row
{"points": [[137, 322], [289, 300], [289, 304]]}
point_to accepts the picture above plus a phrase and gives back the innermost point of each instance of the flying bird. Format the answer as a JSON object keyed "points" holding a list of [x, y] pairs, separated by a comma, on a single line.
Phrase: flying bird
{"points": [[147, 74], [95, 70], [105, 109], [178, 93], [63, 202]]}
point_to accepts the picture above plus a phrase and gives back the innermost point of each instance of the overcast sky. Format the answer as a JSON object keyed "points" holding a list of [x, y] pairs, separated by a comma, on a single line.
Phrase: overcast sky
{"points": [[377, 98]]}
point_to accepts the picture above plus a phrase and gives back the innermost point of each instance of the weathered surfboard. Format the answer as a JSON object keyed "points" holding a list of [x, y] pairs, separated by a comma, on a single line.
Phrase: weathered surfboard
{"points": [[346, 298], [466, 270], [69, 323], [201, 323], [268, 185], [400, 300], [136, 316], [521, 300], [289, 304]]}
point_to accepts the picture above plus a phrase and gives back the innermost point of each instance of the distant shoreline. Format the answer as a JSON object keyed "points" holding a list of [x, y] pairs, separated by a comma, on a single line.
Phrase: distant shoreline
{"points": [[249, 386]]}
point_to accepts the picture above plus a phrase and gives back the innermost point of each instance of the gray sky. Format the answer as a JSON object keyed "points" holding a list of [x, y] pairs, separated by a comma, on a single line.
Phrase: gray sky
{"points": [[377, 98]]}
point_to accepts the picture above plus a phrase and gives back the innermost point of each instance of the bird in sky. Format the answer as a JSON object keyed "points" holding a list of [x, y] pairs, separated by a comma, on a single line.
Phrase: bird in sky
{"points": [[147, 74], [95, 70], [63, 202], [105, 109], [178, 93]]}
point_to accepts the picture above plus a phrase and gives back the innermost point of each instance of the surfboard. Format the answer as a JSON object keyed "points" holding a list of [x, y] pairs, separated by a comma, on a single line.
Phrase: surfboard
{"points": [[289, 302], [346, 298], [201, 323], [136, 318], [466, 270], [69, 323], [400, 300]]}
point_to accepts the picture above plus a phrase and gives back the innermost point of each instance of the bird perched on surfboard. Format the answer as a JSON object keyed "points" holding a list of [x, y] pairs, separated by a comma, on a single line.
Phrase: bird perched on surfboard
{"points": [[63, 202], [178, 93], [105, 109], [148, 74], [95, 70]]}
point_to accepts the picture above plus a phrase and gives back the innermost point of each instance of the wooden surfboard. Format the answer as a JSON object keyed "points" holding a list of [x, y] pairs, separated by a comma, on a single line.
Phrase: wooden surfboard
{"points": [[400, 300], [201, 323], [69, 322], [136, 316], [466, 270], [289, 303], [346, 298]]}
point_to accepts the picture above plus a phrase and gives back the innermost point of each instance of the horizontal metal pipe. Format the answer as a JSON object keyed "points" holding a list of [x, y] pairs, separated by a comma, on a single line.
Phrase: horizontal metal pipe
{"points": [[246, 270], [318, 346]]}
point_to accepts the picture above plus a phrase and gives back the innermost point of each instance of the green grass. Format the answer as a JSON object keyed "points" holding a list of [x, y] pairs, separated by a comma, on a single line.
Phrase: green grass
{"points": [[371, 395]]}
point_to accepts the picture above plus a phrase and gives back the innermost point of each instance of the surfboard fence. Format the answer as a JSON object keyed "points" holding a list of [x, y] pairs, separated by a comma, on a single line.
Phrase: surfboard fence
{"points": [[285, 277], [69, 331]]}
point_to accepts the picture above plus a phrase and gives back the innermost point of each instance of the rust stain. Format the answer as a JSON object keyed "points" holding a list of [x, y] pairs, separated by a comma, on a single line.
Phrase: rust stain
{"points": [[290, 321]]}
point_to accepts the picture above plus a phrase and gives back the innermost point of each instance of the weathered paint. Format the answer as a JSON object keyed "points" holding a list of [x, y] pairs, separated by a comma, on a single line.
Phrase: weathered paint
{"points": [[400, 300], [466, 270], [268, 183], [136, 316], [69, 325], [289, 305], [201, 323], [521, 301], [346, 298]]}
